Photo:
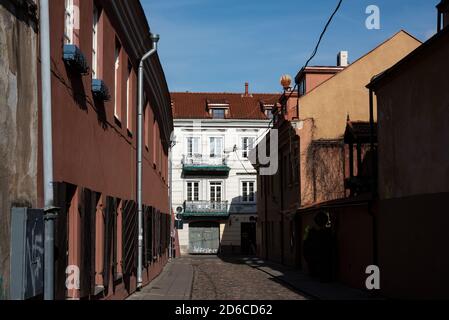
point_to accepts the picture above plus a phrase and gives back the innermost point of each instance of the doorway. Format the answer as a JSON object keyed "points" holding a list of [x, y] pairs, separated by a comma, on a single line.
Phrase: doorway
{"points": [[248, 238]]}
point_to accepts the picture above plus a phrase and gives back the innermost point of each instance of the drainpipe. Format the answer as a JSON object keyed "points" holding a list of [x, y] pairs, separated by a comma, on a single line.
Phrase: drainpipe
{"points": [[373, 178], [155, 39], [47, 150], [170, 193]]}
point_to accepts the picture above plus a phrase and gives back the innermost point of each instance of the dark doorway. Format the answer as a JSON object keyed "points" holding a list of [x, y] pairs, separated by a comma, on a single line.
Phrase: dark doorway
{"points": [[248, 246]]}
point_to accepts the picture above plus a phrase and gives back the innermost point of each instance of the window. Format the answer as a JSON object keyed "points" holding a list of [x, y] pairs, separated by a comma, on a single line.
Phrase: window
{"points": [[302, 87], [193, 191], [155, 130], [146, 120], [247, 146], [218, 113], [69, 22], [269, 114], [216, 147], [216, 191], [116, 81], [129, 104], [248, 194], [95, 43], [193, 146]]}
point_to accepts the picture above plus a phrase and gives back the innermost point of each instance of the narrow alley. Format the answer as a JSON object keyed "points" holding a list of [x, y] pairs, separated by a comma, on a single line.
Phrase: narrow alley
{"points": [[240, 278], [214, 278]]}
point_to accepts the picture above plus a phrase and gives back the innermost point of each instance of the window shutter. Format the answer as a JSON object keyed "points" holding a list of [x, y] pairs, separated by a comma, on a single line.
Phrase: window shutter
{"points": [[62, 198], [109, 240]]}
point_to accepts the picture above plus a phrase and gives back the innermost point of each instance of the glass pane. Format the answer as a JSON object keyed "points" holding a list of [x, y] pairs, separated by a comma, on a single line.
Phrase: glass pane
{"points": [[219, 147], [212, 147], [218, 197], [196, 192], [189, 147], [218, 113], [189, 191], [251, 191], [251, 143], [196, 145]]}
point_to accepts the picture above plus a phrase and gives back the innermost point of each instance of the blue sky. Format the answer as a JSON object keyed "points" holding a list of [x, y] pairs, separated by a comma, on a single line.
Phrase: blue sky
{"points": [[218, 45]]}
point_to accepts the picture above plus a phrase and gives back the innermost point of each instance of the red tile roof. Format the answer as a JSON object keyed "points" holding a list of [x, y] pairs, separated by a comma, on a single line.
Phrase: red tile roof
{"points": [[193, 105]]}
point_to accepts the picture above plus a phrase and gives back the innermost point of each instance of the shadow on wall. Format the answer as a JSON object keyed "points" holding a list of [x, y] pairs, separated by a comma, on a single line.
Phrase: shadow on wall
{"points": [[76, 89], [239, 231]]}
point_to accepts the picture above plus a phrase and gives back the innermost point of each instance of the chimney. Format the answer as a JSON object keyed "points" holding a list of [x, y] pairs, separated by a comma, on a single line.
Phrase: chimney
{"points": [[246, 89], [342, 59], [443, 14]]}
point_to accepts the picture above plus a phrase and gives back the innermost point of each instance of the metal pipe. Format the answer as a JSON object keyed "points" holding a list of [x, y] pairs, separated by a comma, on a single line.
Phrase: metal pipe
{"points": [[170, 181], [374, 177], [47, 150], [155, 39]]}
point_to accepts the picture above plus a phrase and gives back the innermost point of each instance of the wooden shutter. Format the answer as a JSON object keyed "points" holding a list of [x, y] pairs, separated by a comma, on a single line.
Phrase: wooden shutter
{"points": [[110, 215], [145, 232], [129, 222], [61, 239]]}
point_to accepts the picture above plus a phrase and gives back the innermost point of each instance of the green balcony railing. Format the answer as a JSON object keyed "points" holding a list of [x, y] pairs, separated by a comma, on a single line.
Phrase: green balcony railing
{"points": [[206, 209], [198, 163]]}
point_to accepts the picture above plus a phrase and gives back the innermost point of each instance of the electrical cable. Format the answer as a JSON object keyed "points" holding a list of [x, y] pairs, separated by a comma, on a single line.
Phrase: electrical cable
{"points": [[315, 51]]}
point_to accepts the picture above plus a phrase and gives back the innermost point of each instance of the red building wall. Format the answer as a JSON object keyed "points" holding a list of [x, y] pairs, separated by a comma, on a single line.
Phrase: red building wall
{"points": [[94, 150]]}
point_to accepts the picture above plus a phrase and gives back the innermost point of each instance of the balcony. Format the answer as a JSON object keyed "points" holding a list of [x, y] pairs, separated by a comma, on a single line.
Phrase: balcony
{"points": [[199, 164], [206, 209]]}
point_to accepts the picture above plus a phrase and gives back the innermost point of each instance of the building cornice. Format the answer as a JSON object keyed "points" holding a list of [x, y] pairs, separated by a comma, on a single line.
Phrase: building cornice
{"points": [[263, 124]]}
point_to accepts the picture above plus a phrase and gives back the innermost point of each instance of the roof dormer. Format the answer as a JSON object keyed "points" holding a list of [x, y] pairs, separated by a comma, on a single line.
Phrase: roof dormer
{"points": [[218, 108]]}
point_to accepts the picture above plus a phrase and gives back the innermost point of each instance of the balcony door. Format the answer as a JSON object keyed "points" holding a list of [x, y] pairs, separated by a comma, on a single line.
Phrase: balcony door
{"points": [[193, 146], [216, 192], [216, 147]]}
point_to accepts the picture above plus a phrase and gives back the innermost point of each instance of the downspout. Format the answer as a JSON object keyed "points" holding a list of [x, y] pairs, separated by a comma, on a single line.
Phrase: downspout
{"points": [[374, 177], [282, 209], [265, 197], [155, 39], [170, 194], [47, 150]]}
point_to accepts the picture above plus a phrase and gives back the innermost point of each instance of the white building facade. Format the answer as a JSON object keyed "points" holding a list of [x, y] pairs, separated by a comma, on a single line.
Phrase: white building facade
{"points": [[214, 185]]}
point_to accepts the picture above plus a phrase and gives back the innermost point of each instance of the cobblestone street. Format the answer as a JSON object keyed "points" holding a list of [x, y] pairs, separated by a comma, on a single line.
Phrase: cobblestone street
{"points": [[216, 279], [213, 278]]}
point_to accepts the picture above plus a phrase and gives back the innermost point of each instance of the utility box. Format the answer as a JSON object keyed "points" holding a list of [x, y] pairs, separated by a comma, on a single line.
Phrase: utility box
{"points": [[27, 253]]}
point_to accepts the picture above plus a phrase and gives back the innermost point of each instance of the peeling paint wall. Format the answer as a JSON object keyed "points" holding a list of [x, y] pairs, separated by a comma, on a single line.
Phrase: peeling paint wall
{"points": [[18, 124]]}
